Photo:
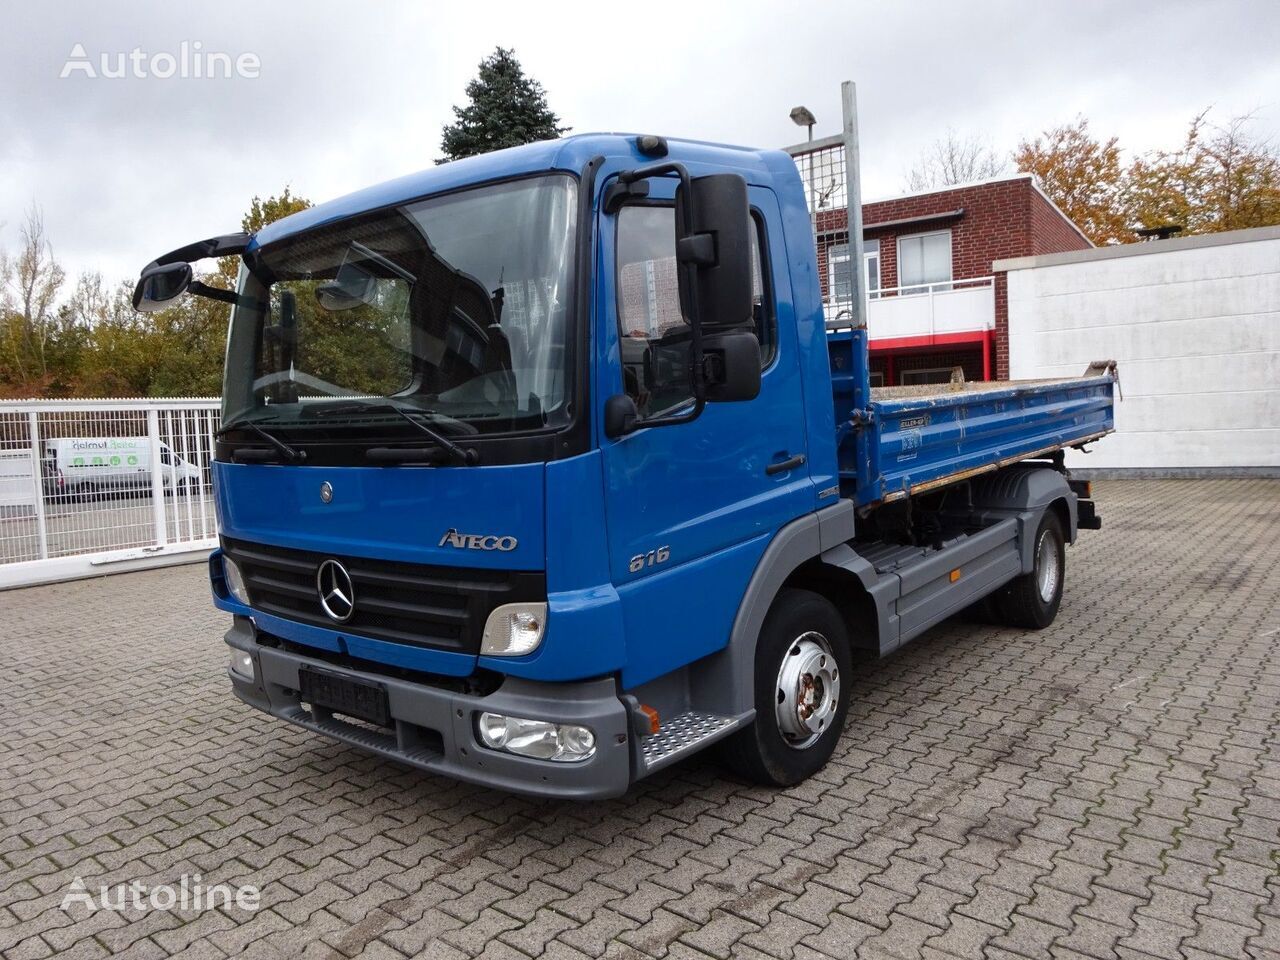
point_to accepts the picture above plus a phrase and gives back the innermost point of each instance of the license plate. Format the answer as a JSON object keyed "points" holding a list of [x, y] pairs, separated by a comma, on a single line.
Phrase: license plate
{"points": [[355, 698]]}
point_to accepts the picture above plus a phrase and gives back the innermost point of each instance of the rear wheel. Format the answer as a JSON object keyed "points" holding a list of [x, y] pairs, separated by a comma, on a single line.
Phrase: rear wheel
{"points": [[801, 692], [1032, 600]]}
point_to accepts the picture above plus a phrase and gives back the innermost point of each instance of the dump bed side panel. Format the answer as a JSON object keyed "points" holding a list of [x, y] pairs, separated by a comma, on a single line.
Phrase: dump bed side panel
{"points": [[923, 442], [916, 443]]}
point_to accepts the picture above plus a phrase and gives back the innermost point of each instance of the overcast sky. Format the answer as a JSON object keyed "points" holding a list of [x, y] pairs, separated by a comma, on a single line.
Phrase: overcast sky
{"points": [[349, 94]]}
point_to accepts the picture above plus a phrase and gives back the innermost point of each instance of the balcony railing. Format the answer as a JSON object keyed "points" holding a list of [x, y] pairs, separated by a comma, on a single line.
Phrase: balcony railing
{"points": [[944, 310]]}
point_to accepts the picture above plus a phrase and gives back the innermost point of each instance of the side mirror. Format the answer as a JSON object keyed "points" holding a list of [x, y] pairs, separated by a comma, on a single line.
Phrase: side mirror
{"points": [[713, 237], [731, 366], [620, 416], [158, 286], [352, 287], [167, 277]]}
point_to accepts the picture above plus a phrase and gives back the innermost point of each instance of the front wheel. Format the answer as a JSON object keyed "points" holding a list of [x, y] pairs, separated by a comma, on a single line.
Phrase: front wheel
{"points": [[1032, 600], [801, 692]]}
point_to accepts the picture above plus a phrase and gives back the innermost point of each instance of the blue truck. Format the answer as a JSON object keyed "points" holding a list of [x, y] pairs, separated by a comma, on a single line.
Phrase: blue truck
{"points": [[543, 470]]}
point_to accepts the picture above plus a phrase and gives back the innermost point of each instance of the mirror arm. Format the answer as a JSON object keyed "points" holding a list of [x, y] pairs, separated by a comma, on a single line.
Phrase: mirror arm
{"points": [[620, 192], [227, 245], [223, 296], [213, 293]]}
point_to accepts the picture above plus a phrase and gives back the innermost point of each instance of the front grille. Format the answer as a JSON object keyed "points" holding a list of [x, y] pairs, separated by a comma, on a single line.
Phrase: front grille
{"points": [[443, 608]]}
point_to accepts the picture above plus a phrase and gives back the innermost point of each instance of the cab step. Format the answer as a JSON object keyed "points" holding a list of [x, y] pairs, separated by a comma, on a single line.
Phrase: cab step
{"points": [[684, 734]]}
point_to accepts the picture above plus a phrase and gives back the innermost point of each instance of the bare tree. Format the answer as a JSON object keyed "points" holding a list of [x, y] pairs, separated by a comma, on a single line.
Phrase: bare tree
{"points": [[953, 159], [90, 301], [30, 283]]}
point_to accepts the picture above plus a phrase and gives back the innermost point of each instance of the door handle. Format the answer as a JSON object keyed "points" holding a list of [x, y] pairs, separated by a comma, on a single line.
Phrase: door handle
{"points": [[782, 466]]}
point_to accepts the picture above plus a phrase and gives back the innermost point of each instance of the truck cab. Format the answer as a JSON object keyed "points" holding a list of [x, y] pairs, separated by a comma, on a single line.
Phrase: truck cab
{"points": [[530, 472]]}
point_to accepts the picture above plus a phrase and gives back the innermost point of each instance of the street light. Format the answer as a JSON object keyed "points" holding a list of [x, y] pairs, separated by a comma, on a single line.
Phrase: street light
{"points": [[803, 117]]}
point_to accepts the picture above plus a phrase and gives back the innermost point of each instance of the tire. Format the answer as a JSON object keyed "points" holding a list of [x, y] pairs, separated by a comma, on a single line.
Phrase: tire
{"points": [[780, 748], [1031, 601]]}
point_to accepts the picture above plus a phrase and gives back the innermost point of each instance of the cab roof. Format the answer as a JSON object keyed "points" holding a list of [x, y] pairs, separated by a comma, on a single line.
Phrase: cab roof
{"points": [[569, 154]]}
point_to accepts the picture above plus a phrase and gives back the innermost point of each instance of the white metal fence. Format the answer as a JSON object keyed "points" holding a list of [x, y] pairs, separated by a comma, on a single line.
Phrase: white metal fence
{"points": [[92, 486]]}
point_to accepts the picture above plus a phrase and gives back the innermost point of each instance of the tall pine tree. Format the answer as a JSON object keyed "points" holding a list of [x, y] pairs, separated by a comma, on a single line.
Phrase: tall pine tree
{"points": [[506, 109]]}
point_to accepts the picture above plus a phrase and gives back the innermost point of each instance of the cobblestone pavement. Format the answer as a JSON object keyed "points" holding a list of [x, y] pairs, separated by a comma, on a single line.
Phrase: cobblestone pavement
{"points": [[1107, 787]]}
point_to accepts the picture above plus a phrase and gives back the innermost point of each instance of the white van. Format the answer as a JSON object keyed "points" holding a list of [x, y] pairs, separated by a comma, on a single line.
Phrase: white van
{"points": [[17, 491], [89, 465]]}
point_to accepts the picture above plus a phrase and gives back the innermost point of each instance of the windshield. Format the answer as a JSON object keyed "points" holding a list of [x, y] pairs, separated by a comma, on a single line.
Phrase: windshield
{"points": [[455, 307]]}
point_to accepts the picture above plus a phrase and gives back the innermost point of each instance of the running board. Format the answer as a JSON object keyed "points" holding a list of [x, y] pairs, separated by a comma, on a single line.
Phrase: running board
{"points": [[682, 735]]}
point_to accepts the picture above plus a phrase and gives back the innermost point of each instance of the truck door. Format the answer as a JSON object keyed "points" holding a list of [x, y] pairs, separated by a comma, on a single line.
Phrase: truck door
{"points": [[705, 497]]}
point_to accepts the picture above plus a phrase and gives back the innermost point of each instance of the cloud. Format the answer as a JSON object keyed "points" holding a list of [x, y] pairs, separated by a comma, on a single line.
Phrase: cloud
{"points": [[353, 94]]}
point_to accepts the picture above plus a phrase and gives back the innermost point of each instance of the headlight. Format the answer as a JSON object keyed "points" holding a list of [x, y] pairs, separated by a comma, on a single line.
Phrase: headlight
{"points": [[540, 739], [235, 580], [514, 629], [242, 664]]}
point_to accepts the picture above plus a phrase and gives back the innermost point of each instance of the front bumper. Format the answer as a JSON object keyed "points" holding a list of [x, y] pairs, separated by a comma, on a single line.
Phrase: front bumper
{"points": [[433, 729]]}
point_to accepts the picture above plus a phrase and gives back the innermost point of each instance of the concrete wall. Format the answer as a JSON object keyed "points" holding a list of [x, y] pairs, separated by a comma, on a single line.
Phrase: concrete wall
{"points": [[1195, 326]]}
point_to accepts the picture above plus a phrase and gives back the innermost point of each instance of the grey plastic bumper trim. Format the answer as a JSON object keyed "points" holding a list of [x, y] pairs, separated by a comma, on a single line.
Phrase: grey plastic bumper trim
{"points": [[435, 728]]}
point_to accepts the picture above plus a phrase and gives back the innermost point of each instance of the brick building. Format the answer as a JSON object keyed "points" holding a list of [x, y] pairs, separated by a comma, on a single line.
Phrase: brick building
{"points": [[934, 302]]}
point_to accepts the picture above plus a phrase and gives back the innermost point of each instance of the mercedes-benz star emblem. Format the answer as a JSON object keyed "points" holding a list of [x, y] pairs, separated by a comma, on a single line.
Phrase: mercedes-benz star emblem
{"points": [[337, 596], [326, 492]]}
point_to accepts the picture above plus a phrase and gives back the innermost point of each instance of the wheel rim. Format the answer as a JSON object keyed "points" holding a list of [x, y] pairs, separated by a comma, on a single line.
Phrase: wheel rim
{"points": [[807, 691], [1048, 567]]}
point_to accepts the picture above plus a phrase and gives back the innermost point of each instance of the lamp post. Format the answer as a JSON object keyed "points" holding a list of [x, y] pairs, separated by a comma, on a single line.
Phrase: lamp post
{"points": [[803, 117]]}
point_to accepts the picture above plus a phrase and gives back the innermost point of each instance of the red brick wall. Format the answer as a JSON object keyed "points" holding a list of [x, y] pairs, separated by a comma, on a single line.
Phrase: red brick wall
{"points": [[1051, 232], [1008, 218], [995, 225], [1002, 326]]}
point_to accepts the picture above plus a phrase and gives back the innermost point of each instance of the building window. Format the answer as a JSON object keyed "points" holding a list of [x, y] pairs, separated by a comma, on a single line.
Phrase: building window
{"points": [[840, 280], [871, 261], [924, 259], [655, 340]]}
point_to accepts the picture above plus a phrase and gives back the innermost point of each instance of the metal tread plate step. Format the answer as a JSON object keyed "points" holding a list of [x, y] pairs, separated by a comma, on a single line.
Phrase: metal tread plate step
{"points": [[682, 735]]}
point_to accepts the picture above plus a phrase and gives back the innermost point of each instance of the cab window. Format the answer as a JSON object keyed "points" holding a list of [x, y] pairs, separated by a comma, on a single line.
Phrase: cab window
{"points": [[653, 333]]}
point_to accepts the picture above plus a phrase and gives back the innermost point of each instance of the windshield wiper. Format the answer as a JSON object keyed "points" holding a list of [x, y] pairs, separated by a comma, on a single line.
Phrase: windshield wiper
{"points": [[467, 456], [464, 455], [292, 454]]}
